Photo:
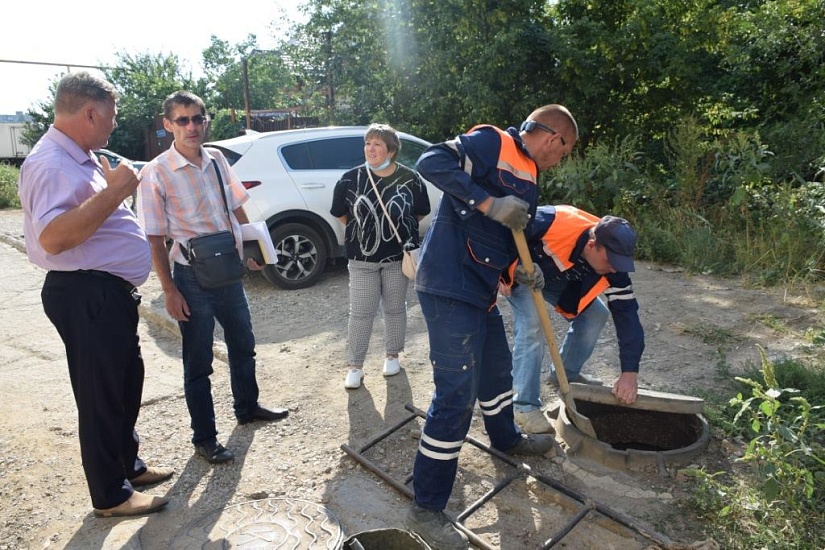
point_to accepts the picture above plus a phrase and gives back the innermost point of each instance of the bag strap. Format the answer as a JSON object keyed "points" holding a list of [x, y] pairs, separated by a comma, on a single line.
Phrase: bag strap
{"points": [[384, 208], [223, 194], [186, 249]]}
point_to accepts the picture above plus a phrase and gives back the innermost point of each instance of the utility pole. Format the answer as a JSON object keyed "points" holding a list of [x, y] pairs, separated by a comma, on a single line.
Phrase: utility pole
{"points": [[244, 64]]}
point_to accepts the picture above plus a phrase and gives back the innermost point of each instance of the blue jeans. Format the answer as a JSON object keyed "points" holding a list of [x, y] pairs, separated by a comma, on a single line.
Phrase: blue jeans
{"points": [[530, 344], [229, 306]]}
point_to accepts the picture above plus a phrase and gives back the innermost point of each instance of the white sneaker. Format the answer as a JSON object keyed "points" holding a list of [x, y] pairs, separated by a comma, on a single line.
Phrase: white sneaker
{"points": [[353, 379], [533, 422], [391, 366]]}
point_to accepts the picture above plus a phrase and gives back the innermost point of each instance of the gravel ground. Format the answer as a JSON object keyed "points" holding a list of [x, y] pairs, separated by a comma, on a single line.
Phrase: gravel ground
{"points": [[301, 343]]}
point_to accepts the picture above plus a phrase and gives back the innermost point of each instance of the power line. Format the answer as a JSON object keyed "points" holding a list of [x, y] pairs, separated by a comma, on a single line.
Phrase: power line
{"points": [[67, 65]]}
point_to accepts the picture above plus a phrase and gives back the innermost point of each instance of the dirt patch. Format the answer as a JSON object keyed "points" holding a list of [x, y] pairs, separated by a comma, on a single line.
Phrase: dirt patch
{"points": [[700, 332]]}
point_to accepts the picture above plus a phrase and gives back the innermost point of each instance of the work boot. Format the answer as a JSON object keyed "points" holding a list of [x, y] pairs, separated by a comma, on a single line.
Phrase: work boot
{"points": [[580, 378], [535, 445], [435, 527], [533, 422]]}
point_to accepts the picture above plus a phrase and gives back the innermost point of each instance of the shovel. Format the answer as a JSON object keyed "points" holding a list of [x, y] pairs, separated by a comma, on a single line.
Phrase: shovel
{"points": [[579, 420]]}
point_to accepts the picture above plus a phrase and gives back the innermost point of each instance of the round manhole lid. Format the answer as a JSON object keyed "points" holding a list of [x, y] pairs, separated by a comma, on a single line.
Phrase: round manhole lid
{"points": [[266, 523]]}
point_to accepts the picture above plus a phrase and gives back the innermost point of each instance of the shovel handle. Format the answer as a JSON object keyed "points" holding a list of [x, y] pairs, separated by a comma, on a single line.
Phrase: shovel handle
{"points": [[544, 317]]}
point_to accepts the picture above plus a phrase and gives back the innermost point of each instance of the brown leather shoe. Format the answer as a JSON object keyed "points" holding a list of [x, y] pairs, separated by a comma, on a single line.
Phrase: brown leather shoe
{"points": [[151, 476], [139, 504]]}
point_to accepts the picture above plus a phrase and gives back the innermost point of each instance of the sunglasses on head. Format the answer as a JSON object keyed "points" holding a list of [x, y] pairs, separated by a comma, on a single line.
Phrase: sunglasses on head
{"points": [[184, 120], [530, 125]]}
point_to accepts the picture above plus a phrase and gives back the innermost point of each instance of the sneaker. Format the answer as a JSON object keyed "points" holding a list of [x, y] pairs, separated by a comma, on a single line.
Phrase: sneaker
{"points": [[353, 379], [580, 378], [435, 528], [534, 445], [533, 422], [586, 379], [391, 366]]}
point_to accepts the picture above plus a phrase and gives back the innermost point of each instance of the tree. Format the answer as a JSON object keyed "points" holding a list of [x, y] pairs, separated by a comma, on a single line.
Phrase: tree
{"points": [[143, 81], [638, 66], [433, 68], [776, 72]]}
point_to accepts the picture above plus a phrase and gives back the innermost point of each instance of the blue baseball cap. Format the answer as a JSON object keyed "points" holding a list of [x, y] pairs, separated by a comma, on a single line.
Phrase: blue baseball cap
{"points": [[616, 235]]}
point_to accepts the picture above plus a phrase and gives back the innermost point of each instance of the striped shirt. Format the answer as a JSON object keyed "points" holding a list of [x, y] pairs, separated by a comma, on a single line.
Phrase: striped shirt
{"points": [[181, 200]]}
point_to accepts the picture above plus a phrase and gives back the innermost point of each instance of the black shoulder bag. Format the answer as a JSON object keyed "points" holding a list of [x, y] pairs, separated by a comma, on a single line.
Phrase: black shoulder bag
{"points": [[214, 256]]}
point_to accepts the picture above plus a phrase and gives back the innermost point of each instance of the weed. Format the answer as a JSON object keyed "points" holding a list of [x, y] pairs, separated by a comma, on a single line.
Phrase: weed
{"points": [[771, 321], [710, 334], [777, 499]]}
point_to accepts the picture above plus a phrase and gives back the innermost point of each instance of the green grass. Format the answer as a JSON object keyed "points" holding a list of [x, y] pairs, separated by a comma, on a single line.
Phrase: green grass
{"points": [[8, 186], [710, 334], [774, 497]]}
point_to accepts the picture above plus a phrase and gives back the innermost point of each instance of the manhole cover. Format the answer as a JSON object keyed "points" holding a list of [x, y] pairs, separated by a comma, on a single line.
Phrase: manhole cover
{"points": [[267, 523]]}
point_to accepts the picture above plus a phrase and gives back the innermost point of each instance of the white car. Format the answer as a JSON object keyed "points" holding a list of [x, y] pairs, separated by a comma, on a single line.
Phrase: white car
{"points": [[114, 160], [290, 176]]}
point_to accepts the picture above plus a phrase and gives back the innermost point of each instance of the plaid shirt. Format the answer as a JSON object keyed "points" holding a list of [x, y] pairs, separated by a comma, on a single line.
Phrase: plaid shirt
{"points": [[181, 200]]}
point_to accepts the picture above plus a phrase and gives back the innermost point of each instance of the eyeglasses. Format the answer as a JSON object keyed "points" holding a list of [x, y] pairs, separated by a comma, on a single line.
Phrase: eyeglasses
{"points": [[530, 125], [185, 120]]}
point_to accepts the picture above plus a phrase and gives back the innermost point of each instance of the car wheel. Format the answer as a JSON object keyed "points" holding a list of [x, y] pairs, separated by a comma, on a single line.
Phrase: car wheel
{"points": [[302, 257]]}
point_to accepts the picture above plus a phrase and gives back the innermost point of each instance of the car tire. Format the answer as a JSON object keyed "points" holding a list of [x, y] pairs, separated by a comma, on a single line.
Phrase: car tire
{"points": [[302, 257]]}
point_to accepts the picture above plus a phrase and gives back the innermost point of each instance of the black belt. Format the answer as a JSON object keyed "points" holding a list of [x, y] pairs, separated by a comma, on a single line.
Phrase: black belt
{"points": [[130, 288]]}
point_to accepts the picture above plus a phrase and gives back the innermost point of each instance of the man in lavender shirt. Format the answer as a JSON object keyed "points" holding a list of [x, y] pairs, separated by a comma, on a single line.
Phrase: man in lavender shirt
{"points": [[78, 228]]}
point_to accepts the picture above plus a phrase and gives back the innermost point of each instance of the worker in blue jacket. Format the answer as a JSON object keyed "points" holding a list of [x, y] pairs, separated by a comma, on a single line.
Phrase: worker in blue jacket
{"points": [[489, 179], [581, 257]]}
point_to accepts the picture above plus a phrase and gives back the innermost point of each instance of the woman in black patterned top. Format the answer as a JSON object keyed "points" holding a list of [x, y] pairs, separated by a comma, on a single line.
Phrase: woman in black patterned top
{"points": [[373, 249]]}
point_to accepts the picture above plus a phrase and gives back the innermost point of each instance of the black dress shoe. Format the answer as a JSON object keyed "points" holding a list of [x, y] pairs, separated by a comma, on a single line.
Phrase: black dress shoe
{"points": [[266, 415], [214, 452]]}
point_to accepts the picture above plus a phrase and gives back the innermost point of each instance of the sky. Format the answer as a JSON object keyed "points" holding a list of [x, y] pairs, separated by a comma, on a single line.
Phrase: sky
{"points": [[92, 33]]}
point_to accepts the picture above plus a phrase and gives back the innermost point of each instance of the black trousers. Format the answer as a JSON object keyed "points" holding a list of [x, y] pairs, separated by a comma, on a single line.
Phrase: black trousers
{"points": [[97, 317]]}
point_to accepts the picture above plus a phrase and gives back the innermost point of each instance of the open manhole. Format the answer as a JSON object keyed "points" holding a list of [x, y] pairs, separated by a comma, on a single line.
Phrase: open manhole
{"points": [[660, 428], [267, 523]]}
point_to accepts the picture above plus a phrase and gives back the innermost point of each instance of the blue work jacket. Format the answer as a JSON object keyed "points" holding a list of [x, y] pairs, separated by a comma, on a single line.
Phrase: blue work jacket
{"points": [[464, 252]]}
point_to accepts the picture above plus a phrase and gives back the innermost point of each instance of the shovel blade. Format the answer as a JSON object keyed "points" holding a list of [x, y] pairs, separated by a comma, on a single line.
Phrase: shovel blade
{"points": [[578, 419]]}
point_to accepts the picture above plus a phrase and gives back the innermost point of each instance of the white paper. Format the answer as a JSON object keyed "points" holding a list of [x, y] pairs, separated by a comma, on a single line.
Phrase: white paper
{"points": [[259, 233]]}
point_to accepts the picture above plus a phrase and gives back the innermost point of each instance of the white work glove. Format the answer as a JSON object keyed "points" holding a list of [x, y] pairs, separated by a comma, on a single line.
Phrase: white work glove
{"points": [[534, 281], [509, 211]]}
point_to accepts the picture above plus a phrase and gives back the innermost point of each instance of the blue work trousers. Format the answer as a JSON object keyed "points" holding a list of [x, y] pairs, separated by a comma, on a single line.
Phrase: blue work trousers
{"points": [[471, 360]]}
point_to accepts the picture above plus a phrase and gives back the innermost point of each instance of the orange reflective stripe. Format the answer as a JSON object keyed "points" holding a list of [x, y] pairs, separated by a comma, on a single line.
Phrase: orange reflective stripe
{"points": [[600, 286], [510, 157]]}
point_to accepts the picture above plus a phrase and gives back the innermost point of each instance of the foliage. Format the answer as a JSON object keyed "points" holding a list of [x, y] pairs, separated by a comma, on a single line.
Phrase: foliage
{"points": [[777, 500], [702, 121], [40, 119], [143, 82], [270, 82], [224, 125], [8, 186], [607, 179]]}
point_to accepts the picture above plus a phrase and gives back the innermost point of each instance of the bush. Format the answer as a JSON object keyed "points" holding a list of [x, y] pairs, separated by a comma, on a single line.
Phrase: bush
{"points": [[8, 186], [601, 182], [777, 500]]}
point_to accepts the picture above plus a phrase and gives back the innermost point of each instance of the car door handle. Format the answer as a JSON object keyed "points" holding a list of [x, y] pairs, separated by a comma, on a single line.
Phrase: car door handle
{"points": [[313, 185]]}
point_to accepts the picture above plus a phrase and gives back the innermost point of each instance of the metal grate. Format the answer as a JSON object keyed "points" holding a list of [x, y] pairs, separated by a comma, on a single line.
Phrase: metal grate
{"points": [[584, 504]]}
